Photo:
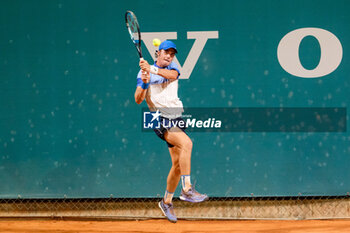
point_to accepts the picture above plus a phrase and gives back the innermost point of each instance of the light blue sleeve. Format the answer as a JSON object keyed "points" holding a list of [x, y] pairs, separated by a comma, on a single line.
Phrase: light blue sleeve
{"points": [[174, 66]]}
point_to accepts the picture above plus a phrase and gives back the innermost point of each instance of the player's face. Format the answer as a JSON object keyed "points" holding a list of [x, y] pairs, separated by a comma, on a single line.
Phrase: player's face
{"points": [[165, 57]]}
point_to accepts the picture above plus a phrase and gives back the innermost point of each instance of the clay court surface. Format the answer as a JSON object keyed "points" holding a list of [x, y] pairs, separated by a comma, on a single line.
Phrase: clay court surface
{"points": [[155, 226]]}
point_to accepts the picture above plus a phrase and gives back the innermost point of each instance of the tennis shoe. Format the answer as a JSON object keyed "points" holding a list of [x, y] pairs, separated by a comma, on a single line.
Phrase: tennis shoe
{"points": [[168, 211], [193, 196]]}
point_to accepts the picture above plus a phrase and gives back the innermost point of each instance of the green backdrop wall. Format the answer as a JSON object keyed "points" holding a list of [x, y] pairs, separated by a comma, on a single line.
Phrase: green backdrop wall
{"points": [[69, 124]]}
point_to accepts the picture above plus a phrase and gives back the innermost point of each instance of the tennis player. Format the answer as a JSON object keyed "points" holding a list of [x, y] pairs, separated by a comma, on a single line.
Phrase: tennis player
{"points": [[158, 84]]}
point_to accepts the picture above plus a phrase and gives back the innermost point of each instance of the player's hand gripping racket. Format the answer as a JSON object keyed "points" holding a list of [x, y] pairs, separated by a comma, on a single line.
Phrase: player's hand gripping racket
{"points": [[134, 30]]}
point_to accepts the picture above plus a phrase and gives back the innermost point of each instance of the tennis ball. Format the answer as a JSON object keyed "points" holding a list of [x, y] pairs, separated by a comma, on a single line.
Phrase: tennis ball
{"points": [[156, 42]]}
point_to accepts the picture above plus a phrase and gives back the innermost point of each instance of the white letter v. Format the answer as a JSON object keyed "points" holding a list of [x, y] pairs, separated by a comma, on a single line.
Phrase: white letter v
{"points": [[196, 50]]}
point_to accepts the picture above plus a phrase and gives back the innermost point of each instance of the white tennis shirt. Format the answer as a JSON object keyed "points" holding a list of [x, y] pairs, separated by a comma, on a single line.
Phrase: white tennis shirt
{"points": [[162, 93]]}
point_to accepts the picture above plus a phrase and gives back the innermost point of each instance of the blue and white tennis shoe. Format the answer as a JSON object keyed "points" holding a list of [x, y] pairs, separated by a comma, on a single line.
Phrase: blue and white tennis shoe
{"points": [[168, 211], [193, 196]]}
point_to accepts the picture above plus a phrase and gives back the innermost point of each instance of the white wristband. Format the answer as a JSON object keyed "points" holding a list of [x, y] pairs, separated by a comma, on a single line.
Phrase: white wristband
{"points": [[153, 70]]}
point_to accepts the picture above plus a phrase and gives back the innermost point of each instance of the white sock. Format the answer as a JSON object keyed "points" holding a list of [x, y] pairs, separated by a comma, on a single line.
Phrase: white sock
{"points": [[186, 182], [168, 197]]}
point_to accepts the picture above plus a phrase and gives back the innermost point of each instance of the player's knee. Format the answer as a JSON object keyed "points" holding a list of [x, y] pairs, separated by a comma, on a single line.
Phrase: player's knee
{"points": [[188, 145], [185, 145]]}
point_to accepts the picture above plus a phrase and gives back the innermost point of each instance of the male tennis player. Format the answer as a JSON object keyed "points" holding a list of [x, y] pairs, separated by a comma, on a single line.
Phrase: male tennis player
{"points": [[158, 84]]}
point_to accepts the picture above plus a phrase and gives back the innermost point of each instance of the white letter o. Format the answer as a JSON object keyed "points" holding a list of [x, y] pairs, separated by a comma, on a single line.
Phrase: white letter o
{"points": [[288, 52]]}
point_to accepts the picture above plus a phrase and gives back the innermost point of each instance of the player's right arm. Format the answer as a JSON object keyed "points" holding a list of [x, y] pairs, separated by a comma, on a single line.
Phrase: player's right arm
{"points": [[142, 86]]}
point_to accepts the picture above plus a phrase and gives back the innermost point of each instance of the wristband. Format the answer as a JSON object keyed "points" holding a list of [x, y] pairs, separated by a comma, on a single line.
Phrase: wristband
{"points": [[153, 70], [144, 85]]}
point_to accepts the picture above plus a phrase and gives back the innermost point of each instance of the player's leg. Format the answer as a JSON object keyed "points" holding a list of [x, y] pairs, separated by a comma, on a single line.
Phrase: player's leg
{"points": [[183, 143], [174, 174], [173, 180]]}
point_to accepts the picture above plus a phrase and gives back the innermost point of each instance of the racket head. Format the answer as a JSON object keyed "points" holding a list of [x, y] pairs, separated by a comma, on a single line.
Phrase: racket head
{"points": [[134, 30]]}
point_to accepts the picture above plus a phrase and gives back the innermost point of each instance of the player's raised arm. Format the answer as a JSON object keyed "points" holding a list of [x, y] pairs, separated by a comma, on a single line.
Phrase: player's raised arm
{"points": [[142, 86], [168, 74]]}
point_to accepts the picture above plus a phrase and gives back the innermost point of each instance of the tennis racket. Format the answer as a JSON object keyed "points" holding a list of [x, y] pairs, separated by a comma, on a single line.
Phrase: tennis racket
{"points": [[134, 30]]}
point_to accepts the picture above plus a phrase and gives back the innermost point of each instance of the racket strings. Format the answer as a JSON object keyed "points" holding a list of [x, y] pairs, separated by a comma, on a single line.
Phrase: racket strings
{"points": [[133, 29]]}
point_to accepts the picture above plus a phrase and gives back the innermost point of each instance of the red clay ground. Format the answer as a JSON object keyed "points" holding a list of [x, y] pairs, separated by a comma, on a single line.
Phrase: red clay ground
{"points": [[183, 226]]}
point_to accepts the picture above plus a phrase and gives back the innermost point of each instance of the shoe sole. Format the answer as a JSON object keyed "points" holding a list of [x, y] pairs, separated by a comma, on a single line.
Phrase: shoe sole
{"points": [[184, 199], [172, 221]]}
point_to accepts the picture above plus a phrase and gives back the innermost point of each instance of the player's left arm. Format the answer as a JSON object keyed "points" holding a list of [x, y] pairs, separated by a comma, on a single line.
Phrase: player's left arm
{"points": [[165, 73], [168, 74]]}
